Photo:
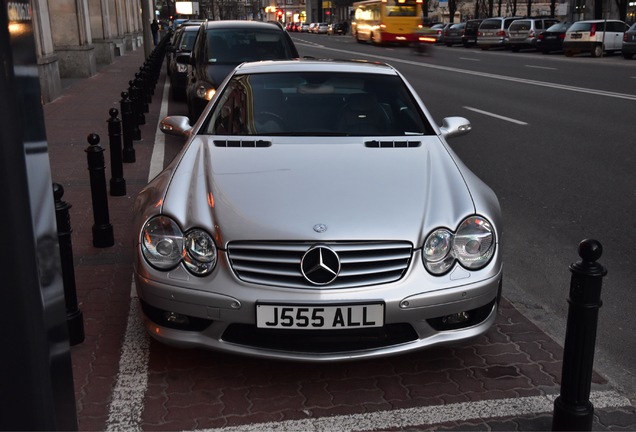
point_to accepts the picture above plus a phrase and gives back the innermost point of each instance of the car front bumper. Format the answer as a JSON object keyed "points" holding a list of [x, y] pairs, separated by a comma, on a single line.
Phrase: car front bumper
{"points": [[222, 315]]}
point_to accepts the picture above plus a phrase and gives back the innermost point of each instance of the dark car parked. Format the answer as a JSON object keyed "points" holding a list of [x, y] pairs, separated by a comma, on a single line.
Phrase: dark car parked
{"points": [[469, 37], [552, 39], [220, 46], [629, 42], [179, 59], [454, 34]]}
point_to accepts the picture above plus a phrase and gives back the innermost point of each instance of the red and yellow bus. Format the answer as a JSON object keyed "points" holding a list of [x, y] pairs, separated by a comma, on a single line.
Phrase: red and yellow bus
{"points": [[386, 21]]}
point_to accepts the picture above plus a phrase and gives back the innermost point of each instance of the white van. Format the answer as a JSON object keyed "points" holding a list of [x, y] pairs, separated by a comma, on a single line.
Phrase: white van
{"points": [[594, 36]]}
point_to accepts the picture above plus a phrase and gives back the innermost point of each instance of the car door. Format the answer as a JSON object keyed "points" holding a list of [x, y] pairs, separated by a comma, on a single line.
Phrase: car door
{"points": [[616, 30]]}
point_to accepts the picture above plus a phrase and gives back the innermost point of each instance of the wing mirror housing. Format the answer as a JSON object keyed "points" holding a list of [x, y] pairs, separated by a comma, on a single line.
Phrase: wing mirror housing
{"points": [[455, 126], [178, 126]]}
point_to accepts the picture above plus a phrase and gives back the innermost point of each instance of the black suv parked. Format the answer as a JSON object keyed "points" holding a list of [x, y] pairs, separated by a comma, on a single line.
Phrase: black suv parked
{"points": [[469, 38], [220, 46]]}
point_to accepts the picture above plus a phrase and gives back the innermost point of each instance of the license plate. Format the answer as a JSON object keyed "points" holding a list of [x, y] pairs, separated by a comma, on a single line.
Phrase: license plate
{"points": [[575, 36], [550, 37], [325, 317]]}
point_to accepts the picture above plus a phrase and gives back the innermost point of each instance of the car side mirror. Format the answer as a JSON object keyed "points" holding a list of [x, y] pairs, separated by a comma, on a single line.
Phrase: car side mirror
{"points": [[178, 126], [183, 58], [455, 126]]}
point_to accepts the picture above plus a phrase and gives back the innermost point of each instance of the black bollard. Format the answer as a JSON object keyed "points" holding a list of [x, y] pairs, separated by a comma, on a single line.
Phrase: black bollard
{"points": [[128, 123], [102, 229], [74, 317], [117, 181], [137, 108], [573, 410]]}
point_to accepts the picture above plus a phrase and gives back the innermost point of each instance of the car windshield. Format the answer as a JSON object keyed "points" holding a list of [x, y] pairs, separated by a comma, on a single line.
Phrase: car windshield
{"points": [[235, 46], [560, 27], [580, 26], [186, 42], [316, 104]]}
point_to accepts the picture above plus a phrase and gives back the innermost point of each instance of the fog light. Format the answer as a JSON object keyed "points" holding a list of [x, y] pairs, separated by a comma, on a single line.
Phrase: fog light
{"points": [[175, 318], [457, 318]]}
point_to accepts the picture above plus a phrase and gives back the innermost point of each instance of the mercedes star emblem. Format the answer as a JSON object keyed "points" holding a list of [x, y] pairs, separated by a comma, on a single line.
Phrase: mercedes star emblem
{"points": [[320, 228], [320, 265]]}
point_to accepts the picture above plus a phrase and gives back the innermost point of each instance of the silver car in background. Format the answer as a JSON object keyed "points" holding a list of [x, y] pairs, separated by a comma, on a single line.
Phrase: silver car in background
{"points": [[317, 213]]}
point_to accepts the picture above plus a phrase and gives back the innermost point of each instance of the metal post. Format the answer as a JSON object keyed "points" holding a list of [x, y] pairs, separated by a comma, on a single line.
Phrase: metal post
{"points": [[117, 181], [74, 316], [102, 229], [36, 371], [573, 410], [128, 124]]}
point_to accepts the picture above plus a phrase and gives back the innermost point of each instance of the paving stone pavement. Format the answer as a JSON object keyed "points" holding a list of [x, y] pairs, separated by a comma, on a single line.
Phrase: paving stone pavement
{"points": [[201, 390]]}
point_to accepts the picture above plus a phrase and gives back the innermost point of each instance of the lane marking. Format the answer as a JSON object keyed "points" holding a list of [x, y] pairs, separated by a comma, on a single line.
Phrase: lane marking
{"points": [[470, 59], [490, 75], [540, 67], [127, 403], [500, 117], [428, 415]]}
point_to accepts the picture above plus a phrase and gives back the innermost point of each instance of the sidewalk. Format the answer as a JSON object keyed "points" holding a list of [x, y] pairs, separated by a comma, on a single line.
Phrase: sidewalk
{"points": [[189, 390]]}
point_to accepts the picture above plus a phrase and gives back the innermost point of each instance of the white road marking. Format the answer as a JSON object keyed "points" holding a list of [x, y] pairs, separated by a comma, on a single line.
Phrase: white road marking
{"points": [[428, 415], [470, 58], [127, 404], [511, 120], [540, 67]]}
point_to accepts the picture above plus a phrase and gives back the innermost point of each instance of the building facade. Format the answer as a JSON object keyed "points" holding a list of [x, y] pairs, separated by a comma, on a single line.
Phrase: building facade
{"points": [[74, 36]]}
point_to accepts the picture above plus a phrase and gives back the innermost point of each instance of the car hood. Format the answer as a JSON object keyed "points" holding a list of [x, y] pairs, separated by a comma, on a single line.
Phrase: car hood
{"points": [[217, 73], [283, 191]]}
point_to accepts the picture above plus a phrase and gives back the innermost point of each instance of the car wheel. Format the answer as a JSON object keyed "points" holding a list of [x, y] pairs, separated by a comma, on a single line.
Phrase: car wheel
{"points": [[597, 51], [569, 53], [485, 47], [545, 52], [628, 55]]}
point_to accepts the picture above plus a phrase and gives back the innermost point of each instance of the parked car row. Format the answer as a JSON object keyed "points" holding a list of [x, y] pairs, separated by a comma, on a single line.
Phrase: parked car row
{"points": [[318, 28], [543, 34]]}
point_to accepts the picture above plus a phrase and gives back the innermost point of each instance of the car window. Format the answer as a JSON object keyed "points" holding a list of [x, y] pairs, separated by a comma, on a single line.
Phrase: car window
{"points": [[490, 24], [315, 103], [521, 25], [581, 27], [235, 46], [186, 42], [559, 27]]}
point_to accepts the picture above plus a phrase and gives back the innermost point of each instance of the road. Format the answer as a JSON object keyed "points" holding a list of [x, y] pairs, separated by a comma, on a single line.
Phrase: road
{"points": [[553, 137]]}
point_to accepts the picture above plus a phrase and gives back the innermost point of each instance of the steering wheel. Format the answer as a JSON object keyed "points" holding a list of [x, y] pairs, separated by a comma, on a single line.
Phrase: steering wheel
{"points": [[270, 122]]}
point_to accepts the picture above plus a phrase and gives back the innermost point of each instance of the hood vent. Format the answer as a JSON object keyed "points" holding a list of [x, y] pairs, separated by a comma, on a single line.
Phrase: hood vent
{"points": [[392, 144], [242, 143]]}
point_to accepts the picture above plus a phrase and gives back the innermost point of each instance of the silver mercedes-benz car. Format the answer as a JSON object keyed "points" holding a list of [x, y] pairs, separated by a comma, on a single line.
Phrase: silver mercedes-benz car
{"points": [[317, 213]]}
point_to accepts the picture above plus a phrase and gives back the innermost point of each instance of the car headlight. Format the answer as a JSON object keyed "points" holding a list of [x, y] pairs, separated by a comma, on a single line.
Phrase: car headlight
{"points": [[164, 245], [200, 257], [162, 242], [472, 245], [205, 92]]}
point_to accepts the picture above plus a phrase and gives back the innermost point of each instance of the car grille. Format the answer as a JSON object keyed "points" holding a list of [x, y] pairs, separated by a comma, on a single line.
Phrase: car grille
{"points": [[278, 264]]}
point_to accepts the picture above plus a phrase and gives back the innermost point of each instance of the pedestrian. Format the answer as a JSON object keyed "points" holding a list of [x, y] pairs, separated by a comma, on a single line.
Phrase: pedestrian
{"points": [[154, 28]]}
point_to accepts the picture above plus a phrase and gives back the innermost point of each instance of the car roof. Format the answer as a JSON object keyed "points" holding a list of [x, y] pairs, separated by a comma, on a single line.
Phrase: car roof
{"points": [[597, 21], [316, 65], [241, 24]]}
